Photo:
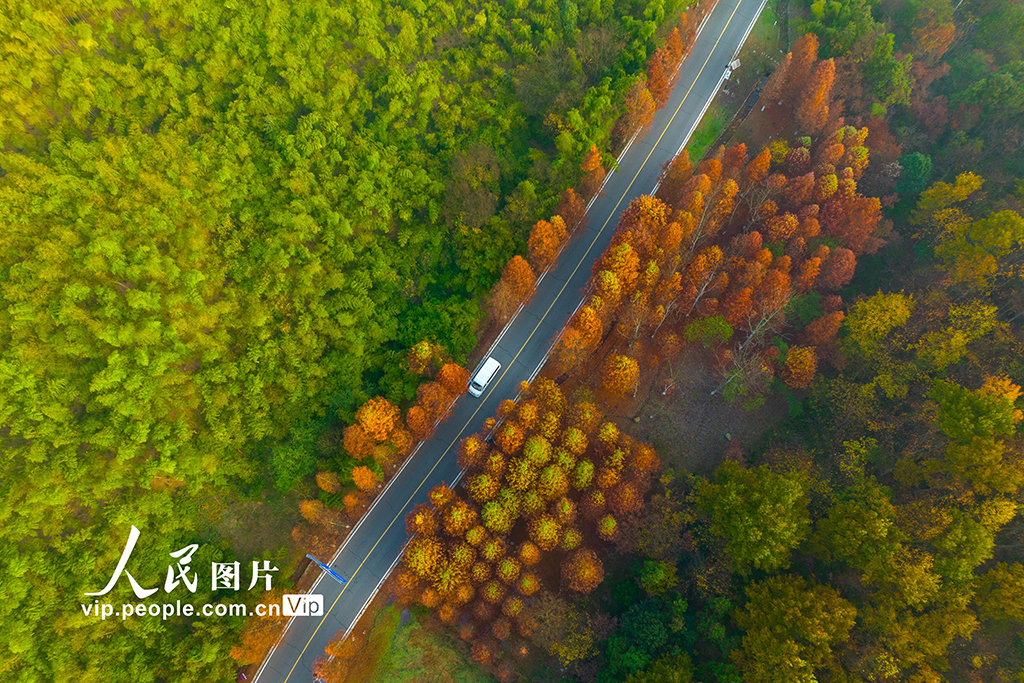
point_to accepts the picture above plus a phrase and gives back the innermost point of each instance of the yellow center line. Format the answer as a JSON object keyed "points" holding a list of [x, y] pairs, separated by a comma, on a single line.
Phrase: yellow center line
{"points": [[539, 323]]}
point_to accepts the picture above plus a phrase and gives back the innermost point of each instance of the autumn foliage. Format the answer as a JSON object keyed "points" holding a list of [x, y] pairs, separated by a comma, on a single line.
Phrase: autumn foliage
{"points": [[365, 479], [532, 486], [515, 288], [259, 633], [657, 82], [640, 107], [546, 239], [812, 110], [619, 375]]}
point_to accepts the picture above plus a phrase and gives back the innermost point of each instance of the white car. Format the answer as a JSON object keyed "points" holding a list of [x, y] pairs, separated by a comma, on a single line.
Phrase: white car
{"points": [[483, 377]]}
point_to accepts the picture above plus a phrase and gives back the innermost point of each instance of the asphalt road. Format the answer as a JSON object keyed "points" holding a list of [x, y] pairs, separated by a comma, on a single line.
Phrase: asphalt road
{"points": [[375, 545]]}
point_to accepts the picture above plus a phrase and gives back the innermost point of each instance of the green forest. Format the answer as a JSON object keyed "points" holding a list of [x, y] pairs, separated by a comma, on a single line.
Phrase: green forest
{"points": [[238, 238]]}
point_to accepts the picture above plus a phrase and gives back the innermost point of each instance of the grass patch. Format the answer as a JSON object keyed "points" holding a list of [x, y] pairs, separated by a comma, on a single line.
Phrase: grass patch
{"points": [[378, 646], [412, 653], [710, 127]]}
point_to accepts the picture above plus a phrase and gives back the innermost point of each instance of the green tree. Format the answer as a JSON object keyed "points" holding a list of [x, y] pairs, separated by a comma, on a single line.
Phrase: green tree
{"points": [[760, 514], [642, 632], [839, 24], [860, 528], [710, 331], [789, 629], [657, 577], [916, 173], [676, 668], [888, 76]]}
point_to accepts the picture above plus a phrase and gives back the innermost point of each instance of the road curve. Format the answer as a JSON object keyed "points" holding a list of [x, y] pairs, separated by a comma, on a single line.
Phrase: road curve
{"points": [[375, 545]]}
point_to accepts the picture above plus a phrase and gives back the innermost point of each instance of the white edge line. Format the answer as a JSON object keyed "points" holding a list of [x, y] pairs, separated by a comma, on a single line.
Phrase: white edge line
{"points": [[373, 593], [750, 27], [608, 176]]}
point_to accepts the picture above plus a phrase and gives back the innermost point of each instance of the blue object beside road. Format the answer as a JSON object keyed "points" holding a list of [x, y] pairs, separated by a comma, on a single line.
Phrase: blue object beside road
{"points": [[327, 569]]}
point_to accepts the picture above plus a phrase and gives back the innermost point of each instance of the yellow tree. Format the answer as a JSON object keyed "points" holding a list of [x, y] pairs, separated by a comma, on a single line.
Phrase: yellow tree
{"points": [[546, 239], [378, 417], [799, 367], [620, 375]]}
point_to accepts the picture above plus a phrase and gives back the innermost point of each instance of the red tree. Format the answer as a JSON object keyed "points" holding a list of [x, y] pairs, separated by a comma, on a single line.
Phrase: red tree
{"points": [[747, 245], [639, 112], [734, 159], [357, 442], [434, 399], [582, 571], [799, 190], [781, 228], [673, 52], [546, 239], [838, 270], [823, 330], [418, 422], [674, 177], [807, 273], [737, 306], [805, 55], [812, 110], [519, 277], [573, 211], [798, 161], [591, 165], [757, 169], [862, 216], [657, 83], [453, 378], [776, 84]]}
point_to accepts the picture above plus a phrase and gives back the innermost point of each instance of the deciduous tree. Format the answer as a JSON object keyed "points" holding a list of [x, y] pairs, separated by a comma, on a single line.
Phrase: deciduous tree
{"points": [[639, 112], [546, 239], [799, 367], [620, 375], [582, 571], [805, 56], [365, 479], [813, 107], [761, 515], [657, 83], [790, 629], [573, 211], [520, 278], [837, 270]]}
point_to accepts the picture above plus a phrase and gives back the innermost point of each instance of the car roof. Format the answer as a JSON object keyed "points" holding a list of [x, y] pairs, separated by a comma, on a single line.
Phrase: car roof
{"points": [[490, 365]]}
